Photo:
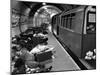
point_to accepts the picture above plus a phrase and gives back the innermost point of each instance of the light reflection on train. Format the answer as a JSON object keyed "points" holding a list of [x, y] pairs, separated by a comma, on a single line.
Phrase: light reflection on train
{"points": [[77, 29]]}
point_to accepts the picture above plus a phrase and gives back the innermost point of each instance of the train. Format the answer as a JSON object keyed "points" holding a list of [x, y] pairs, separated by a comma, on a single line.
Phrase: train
{"points": [[76, 28]]}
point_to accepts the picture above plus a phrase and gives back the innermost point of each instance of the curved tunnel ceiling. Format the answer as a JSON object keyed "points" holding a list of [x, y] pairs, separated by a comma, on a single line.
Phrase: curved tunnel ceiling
{"points": [[44, 14], [34, 6], [38, 5]]}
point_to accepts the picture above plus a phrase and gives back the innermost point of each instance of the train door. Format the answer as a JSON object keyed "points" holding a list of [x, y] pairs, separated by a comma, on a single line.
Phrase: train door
{"points": [[54, 29], [89, 38]]}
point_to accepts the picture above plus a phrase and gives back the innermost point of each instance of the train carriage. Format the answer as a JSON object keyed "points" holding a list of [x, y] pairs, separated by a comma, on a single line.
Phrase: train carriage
{"points": [[77, 29]]}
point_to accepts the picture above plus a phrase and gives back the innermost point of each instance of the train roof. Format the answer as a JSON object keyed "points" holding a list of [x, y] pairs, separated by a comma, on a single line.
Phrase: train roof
{"points": [[57, 14], [68, 11], [80, 8]]}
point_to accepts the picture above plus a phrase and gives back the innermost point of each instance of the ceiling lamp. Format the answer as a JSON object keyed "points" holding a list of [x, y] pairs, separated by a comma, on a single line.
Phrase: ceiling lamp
{"points": [[43, 3]]}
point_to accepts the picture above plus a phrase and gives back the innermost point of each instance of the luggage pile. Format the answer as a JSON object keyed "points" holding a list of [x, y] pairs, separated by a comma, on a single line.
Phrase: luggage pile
{"points": [[30, 52]]}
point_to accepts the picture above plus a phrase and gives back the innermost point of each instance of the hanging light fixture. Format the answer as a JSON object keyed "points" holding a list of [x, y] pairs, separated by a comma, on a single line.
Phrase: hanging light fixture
{"points": [[43, 3]]}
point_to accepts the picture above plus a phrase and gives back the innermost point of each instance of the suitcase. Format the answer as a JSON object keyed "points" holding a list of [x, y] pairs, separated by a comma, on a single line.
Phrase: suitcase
{"points": [[40, 57]]}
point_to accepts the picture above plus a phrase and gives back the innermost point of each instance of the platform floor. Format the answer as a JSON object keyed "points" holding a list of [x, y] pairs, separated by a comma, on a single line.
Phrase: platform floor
{"points": [[62, 61]]}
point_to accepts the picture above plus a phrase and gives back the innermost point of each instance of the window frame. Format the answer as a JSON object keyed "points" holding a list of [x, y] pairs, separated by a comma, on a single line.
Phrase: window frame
{"points": [[88, 23]]}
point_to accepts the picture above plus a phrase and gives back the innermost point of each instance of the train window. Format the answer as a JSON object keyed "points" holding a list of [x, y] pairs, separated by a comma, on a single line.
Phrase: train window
{"points": [[91, 22], [92, 17], [72, 20], [67, 20], [62, 21]]}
